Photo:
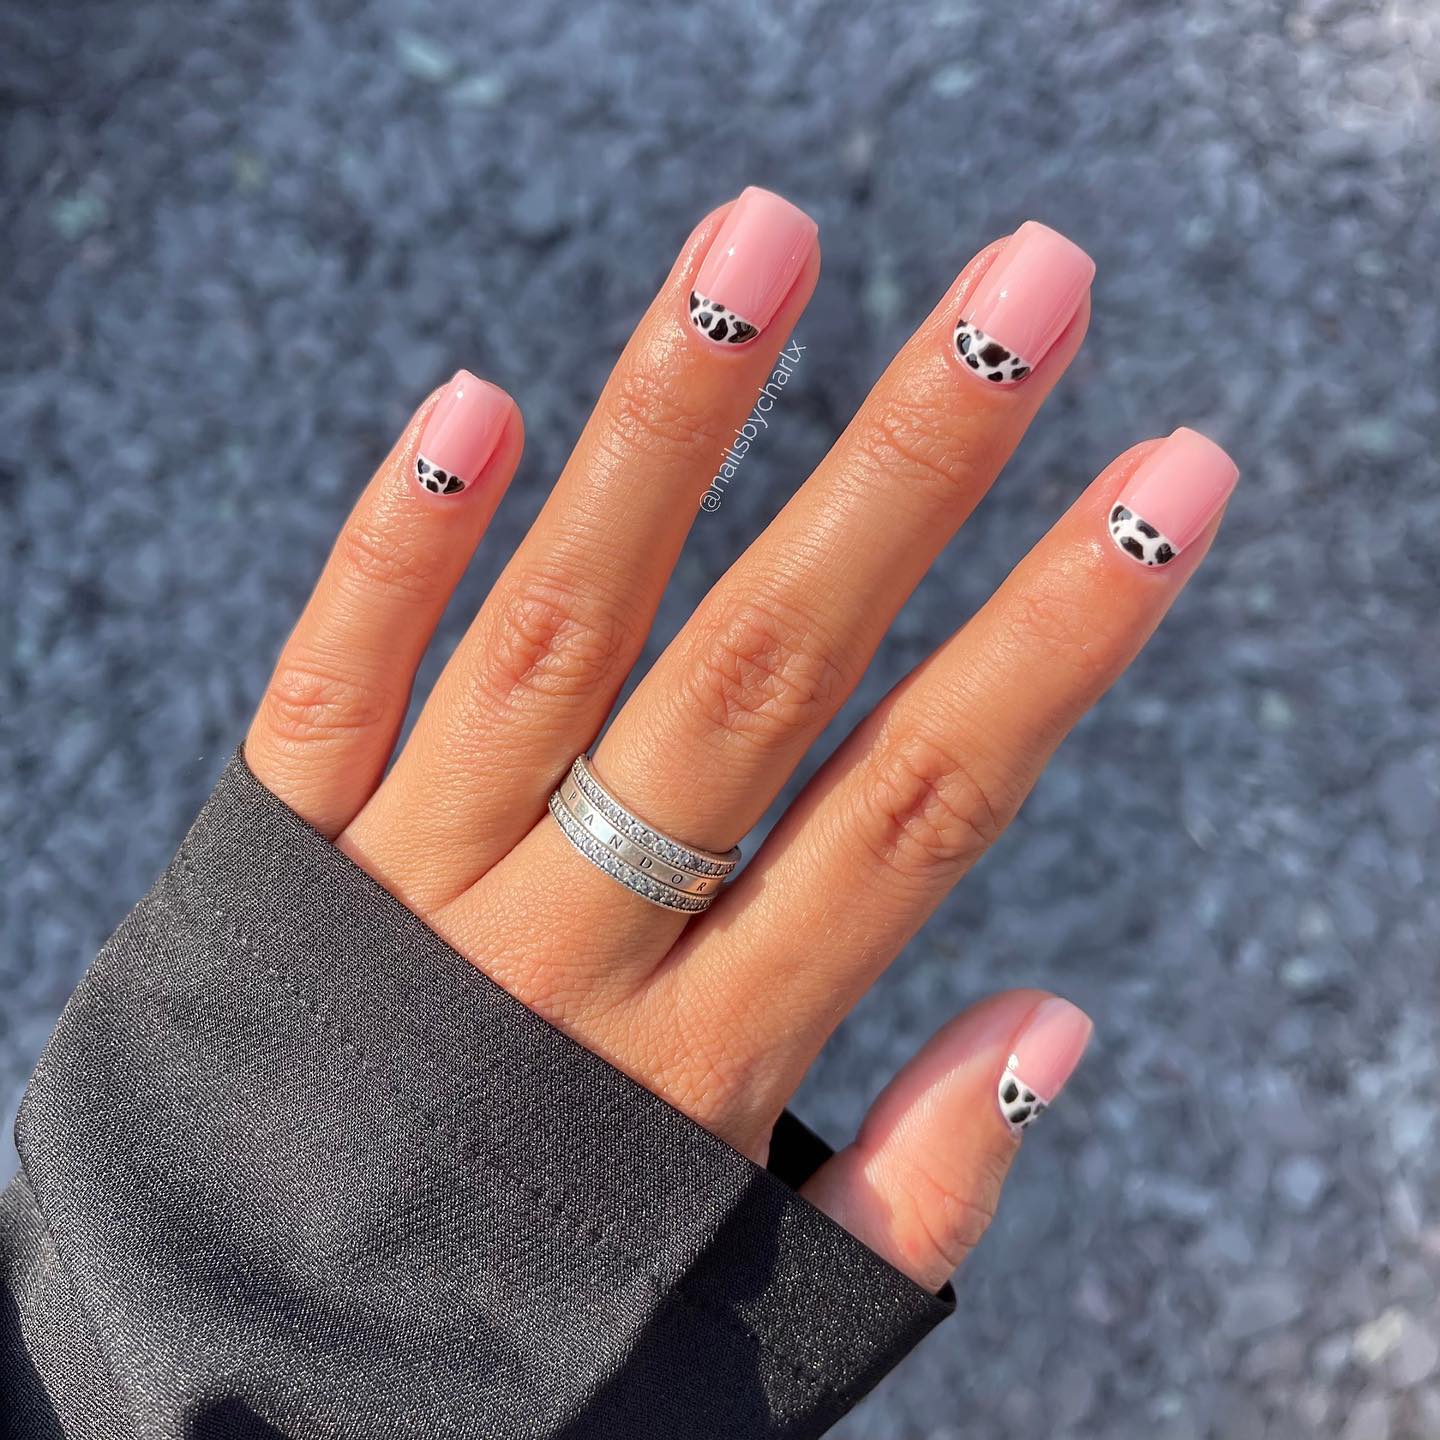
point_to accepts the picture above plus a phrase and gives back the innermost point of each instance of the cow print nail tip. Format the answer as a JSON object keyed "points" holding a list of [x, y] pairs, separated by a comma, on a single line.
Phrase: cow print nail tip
{"points": [[436, 480], [987, 357], [1019, 1104], [717, 323], [1139, 539]]}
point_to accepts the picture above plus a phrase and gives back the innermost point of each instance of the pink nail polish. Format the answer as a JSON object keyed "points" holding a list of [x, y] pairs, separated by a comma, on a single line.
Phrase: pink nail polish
{"points": [[1044, 1056], [1022, 304], [461, 434], [1172, 497], [750, 267]]}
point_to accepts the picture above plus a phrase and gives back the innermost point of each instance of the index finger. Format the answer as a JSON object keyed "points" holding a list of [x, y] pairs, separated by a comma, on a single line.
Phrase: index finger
{"points": [[920, 790]]}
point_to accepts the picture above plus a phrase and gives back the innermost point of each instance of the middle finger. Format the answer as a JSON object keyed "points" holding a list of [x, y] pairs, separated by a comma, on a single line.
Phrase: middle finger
{"points": [[713, 732]]}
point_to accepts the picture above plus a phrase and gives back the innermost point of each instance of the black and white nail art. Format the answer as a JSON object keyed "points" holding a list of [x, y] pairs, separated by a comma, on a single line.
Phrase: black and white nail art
{"points": [[711, 318], [1019, 1104], [1139, 539], [436, 480], [987, 357]]}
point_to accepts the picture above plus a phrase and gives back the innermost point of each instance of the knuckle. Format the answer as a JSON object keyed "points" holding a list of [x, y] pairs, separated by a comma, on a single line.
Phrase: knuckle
{"points": [[924, 810], [307, 703], [377, 559], [1056, 622], [764, 672], [652, 410], [554, 641], [943, 1222], [918, 442]]}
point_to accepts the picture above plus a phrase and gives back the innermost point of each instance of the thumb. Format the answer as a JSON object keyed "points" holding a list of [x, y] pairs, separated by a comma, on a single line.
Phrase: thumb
{"points": [[922, 1179]]}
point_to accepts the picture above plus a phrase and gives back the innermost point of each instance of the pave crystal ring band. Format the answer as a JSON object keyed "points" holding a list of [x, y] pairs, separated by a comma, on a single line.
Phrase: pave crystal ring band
{"points": [[661, 870]]}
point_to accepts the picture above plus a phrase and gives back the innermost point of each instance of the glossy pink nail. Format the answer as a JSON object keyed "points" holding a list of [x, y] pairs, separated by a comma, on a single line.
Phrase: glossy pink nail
{"points": [[750, 267], [1022, 304], [461, 434], [1172, 497], [1043, 1057]]}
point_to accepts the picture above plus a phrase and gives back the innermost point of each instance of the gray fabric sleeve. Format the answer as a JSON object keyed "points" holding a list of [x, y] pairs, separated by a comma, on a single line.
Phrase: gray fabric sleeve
{"points": [[292, 1167]]}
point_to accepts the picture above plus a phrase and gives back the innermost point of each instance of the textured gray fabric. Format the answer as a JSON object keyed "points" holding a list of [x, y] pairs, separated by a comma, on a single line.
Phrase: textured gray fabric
{"points": [[56, 1383], [304, 1171]]}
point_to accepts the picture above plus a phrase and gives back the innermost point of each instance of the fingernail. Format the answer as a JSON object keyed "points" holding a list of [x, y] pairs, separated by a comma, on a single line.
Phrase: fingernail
{"points": [[1022, 304], [1172, 497], [461, 434], [750, 267], [1044, 1056]]}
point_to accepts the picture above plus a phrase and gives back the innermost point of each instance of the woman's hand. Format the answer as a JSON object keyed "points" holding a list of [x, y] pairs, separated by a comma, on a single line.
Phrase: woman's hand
{"points": [[722, 1013]]}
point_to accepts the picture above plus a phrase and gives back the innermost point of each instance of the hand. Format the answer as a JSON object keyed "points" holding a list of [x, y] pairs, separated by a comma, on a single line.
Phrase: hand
{"points": [[722, 1013]]}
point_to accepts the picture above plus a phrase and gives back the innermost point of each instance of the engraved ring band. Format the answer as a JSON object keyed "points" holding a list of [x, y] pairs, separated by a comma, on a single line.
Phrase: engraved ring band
{"points": [[658, 868]]}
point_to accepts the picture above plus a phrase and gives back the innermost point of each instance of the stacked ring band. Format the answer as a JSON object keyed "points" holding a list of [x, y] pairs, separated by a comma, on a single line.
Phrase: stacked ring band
{"points": [[656, 867]]}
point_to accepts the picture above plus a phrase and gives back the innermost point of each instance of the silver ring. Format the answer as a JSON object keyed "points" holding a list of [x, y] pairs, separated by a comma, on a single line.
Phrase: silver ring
{"points": [[656, 867], [614, 842]]}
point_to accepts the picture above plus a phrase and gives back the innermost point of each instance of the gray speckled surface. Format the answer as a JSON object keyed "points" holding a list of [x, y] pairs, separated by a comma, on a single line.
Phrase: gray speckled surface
{"points": [[243, 239]]}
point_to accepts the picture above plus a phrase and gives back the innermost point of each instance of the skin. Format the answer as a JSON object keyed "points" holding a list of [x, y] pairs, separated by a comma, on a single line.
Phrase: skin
{"points": [[722, 1016]]}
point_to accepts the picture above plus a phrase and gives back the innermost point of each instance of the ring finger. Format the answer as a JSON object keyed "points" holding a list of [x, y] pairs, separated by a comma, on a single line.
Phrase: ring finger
{"points": [[539, 670]]}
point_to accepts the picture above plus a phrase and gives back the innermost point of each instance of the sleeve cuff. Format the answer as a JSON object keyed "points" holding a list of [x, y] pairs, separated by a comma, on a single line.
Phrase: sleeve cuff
{"points": [[296, 1153]]}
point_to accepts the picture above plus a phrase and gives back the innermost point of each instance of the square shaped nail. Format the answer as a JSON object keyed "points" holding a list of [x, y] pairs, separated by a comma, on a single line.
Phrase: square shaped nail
{"points": [[1022, 304], [753, 261], [1043, 1057], [461, 434], [1173, 495]]}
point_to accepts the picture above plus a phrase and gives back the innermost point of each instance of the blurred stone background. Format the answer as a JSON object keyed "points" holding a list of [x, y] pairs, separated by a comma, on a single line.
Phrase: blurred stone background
{"points": [[243, 239]]}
